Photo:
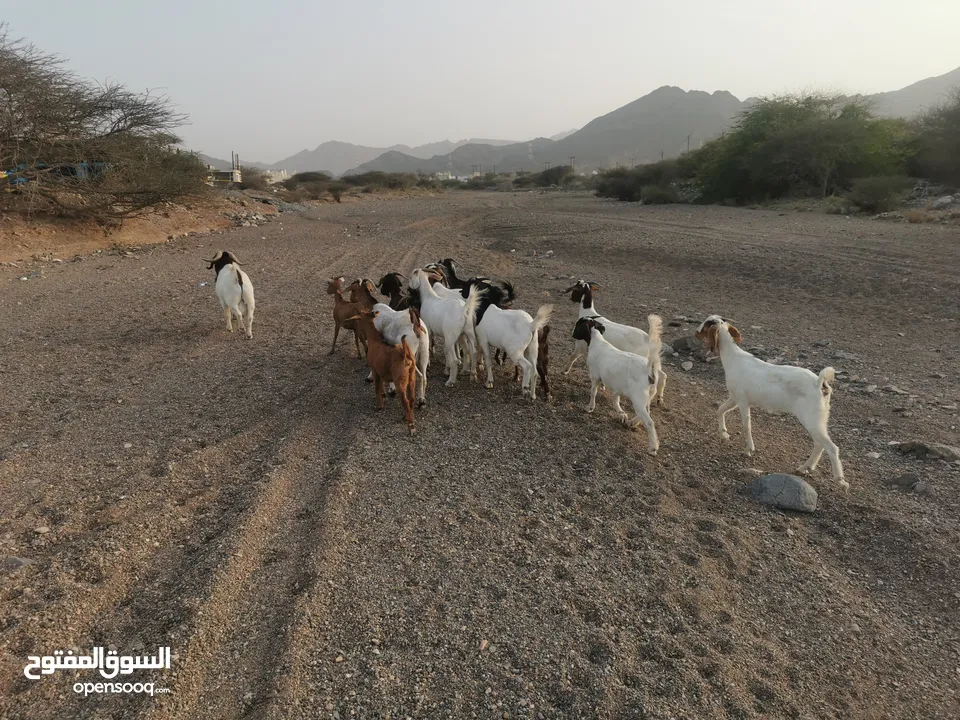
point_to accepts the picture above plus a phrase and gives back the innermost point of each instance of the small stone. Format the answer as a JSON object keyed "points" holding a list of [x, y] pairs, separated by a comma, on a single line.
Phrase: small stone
{"points": [[12, 564], [949, 407], [821, 343], [871, 388], [687, 365], [895, 390], [922, 488], [339, 659], [750, 472], [842, 355], [787, 492], [938, 375], [873, 455], [329, 707], [42, 530], [855, 628], [127, 446]]}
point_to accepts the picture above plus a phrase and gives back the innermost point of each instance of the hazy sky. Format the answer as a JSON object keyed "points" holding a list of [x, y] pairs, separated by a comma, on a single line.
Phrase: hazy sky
{"points": [[268, 78]]}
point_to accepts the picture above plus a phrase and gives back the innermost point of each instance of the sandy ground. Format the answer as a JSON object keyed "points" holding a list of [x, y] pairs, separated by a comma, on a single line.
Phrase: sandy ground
{"points": [[241, 502]]}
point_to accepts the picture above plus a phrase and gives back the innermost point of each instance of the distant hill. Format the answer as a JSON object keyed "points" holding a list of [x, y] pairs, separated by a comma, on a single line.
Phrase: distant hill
{"points": [[466, 158], [658, 122], [666, 121], [912, 99], [337, 157], [631, 134]]}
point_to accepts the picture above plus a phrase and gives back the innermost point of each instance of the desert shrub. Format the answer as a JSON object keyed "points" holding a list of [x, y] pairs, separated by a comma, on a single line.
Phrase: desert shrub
{"points": [[82, 149], [836, 205], [525, 181], [336, 190], [377, 179], [252, 178], [938, 142], [303, 178], [451, 183], [879, 194], [427, 182], [915, 216], [658, 195], [811, 144], [557, 175]]}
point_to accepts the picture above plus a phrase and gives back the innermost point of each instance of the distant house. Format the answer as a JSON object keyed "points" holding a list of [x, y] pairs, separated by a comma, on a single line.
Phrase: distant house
{"points": [[276, 176], [446, 175], [223, 177]]}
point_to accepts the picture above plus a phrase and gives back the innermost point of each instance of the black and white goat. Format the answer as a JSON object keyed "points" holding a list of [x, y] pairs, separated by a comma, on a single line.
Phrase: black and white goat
{"points": [[622, 337], [450, 317], [623, 373], [516, 333], [391, 285], [775, 388], [234, 290]]}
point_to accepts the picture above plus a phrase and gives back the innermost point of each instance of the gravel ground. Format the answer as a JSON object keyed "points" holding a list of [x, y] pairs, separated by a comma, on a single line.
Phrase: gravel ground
{"points": [[241, 501]]}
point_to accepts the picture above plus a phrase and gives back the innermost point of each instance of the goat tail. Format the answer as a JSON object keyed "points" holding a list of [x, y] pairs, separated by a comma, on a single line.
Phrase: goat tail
{"points": [[827, 376], [541, 319], [473, 302], [655, 345]]}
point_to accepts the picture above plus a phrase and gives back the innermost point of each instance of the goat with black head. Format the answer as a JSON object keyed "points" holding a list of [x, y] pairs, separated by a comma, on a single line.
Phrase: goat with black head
{"points": [[623, 373], [391, 285], [234, 290], [623, 337]]}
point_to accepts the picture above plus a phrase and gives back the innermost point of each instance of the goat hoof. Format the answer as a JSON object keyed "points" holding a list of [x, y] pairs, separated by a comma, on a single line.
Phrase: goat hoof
{"points": [[624, 418], [749, 453], [589, 408], [724, 437], [489, 386], [368, 379], [450, 383], [421, 403], [802, 470], [844, 485]]}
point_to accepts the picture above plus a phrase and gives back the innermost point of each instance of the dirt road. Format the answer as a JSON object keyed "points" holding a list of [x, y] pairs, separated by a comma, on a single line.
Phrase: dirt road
{"points": [[242, 503]]}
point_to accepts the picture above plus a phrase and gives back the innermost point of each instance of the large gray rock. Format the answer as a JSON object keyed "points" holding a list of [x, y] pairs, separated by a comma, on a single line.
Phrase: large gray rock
{"points": [[787, 492], [942, 202], [929, 451]]}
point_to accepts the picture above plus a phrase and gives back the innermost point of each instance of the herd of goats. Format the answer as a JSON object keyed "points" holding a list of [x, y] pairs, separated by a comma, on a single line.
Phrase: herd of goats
{"points": [[476, 315]]}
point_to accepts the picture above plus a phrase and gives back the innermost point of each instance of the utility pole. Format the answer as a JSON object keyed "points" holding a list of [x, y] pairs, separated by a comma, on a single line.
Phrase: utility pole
{"points": [[661, 156], [688, 141], [494, 169], [572, 166]]}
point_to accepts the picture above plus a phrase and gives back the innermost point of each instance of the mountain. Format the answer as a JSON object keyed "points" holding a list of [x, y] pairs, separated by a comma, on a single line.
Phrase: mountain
{"points": [[465, 159], [334, 155], [912, 99], [659, 122], [561, 136], [634, 133]]}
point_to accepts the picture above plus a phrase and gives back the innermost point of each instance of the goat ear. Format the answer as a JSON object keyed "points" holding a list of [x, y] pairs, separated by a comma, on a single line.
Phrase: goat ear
{"points": [[594, 286], [735, 334]]}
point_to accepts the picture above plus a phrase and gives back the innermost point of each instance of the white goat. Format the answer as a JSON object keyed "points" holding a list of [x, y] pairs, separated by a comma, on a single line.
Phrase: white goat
{"points": [[394, 325], [514, 332], [623, 373], [234, 290], [449, 317], [775, 388], [623, 337]]}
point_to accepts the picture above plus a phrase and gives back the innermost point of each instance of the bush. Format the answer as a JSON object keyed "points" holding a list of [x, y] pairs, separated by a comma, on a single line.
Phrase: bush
{"points": [[525, 181], [336, 190], [879, 194], [376, 179], [836, 205], [658, 195], [82, 149], [253, 179], [304, 178], [451, 183], [938, 142]]}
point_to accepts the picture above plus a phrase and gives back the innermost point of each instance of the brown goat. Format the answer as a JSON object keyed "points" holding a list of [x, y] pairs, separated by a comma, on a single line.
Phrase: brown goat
{"points": [[343, 313], [543, 360], [362, 291], [394, 363]]}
